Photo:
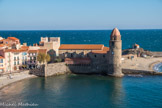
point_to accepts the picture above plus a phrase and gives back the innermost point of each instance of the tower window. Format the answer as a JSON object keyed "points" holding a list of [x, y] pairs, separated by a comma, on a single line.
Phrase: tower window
{"points": [[95, 56], [112, 43]]}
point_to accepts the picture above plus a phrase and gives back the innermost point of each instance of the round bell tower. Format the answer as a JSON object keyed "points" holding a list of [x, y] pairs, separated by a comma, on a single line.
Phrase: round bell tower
{"points": [[115, 53]]}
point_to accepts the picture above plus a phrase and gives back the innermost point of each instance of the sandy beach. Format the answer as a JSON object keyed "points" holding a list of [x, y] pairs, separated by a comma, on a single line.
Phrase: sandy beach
{"points": [[141, 63], [8, 79]]}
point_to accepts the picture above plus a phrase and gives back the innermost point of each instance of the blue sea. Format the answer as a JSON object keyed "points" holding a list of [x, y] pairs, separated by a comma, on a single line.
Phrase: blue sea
{"points": [[147, 39], [88, 91]]}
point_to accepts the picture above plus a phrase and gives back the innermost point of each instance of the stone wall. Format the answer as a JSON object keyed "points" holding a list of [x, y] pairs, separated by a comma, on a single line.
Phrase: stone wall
{"points": [[89, 69], [62, 68], [55, 69]]}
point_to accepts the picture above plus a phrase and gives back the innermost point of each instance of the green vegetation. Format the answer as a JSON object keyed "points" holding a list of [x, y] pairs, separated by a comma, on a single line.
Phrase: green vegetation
{"points": [[58, 60], [42, 58]]}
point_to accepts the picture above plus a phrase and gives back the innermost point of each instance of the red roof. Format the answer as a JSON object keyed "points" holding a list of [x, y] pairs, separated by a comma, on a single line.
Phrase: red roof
{"points": [[13, 38], [32, 51], [1, 57], [104, 51], [42, 51], [15, 50], [25, 47], [81, 47]]}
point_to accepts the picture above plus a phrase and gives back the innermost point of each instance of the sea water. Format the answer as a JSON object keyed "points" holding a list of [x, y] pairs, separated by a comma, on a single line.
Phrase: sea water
{"points": [[88, 91], [147, 39]]}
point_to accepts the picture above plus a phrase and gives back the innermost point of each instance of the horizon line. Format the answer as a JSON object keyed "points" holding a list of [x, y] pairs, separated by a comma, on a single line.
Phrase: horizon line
{"points": [[79, 29]]}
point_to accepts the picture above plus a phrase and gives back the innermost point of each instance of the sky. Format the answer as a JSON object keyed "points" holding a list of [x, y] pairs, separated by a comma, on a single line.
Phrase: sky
{"points": [[80, 14]]}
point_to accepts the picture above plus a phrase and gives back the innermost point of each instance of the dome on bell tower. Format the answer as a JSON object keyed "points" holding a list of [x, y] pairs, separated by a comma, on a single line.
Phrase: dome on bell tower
{"points": [[115, 33]]}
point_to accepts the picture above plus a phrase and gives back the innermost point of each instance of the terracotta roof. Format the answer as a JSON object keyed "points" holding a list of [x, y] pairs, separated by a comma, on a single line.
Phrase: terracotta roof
{"points": [[42, 50], [32, 51], [136, 45], [1, 57], [81, 47], [15, 50], [13, 38], [25, 47], [115, 32], [1, 45], [104, 51]]}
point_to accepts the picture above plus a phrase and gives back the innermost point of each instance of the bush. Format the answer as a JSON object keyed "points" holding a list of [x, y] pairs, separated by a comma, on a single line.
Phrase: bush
{"points": [[58, 60]]}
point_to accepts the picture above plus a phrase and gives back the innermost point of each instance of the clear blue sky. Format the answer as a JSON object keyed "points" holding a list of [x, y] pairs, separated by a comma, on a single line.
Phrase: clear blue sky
{"points": [[80, 14]]}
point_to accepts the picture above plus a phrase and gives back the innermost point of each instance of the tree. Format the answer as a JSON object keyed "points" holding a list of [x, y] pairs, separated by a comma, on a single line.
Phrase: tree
{"points": [[39, 58], [42, 57], [48, 58]]}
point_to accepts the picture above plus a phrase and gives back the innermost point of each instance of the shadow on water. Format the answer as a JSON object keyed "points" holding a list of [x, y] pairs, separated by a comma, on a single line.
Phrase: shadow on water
{"points": [[67, 90]]}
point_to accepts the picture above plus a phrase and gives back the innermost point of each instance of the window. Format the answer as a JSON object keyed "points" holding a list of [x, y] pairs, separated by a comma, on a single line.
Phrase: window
{"points": [[30, 58], [71, 55], [17, 62], [1, 65], [34, 58], [103, 56], [24, 53], [112, 43], [95, 56], [17, 58], [1, 60], [14, 58], [25, 58], [87, 55], [1, 70], [14, 63]]}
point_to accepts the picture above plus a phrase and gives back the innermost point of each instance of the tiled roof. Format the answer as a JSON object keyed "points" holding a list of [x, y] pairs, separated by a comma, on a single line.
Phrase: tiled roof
{"points": [[1, 57], [1, 45], [25, 47], [42, 50], [32, 51], [104, 51], [81, 47], [136, 45], [15, 50], [13, 38]]}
